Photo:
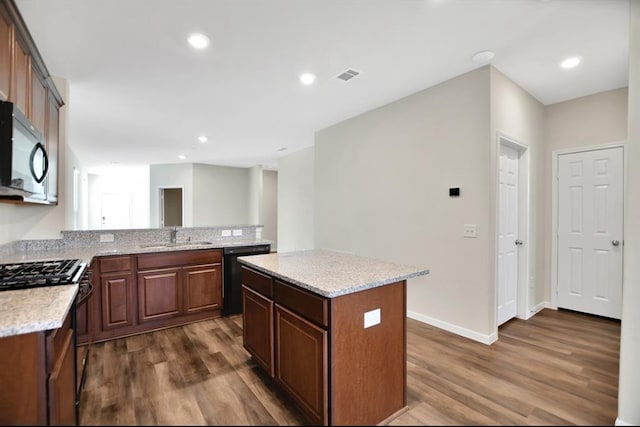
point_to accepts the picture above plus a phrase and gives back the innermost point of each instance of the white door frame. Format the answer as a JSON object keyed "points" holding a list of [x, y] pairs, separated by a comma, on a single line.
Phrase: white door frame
{"points": [[160, 190], [554, 207], [524, 216]]}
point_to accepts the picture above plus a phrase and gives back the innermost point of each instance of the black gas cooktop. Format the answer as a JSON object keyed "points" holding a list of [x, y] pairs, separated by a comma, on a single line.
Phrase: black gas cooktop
{"points": [[24, 275]]}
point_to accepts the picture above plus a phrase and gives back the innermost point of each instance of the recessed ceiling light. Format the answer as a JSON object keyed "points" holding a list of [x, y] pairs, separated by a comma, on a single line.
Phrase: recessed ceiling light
{"points": [[198, 41], [203, 139], [182, 156], [307, 78], [483, 57], [570, 62]]}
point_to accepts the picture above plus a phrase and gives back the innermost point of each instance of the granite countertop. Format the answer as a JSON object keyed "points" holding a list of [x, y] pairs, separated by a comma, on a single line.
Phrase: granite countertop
{"points": [[39, 309], [87, 253], [330, 273], [35, 309]]}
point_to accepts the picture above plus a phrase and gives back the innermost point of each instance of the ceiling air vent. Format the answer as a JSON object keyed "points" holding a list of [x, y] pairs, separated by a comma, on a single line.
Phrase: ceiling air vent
{"points": [[348, 75]]}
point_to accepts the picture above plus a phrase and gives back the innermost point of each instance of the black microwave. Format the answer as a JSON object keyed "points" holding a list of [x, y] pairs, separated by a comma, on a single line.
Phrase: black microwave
{"points": [[23, 156]]}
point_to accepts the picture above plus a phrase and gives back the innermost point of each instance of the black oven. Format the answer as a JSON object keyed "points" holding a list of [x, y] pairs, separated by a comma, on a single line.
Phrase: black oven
{"points": [[23, 157]]}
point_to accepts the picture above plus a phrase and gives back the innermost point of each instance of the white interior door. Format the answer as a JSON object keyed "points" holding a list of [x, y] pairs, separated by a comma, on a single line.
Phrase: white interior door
{"points": [[115, 211], [590, 233], [507, 234]]}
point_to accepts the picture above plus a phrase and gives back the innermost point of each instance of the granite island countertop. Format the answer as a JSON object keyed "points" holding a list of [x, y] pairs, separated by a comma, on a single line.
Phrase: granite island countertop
{"points": [[44, 308], [331, 273]]}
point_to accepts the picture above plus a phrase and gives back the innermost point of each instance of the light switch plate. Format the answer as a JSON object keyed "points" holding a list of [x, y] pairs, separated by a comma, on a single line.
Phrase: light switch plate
{"points": [[372, 318], [470, 230], [226, 233], [237, 232]]}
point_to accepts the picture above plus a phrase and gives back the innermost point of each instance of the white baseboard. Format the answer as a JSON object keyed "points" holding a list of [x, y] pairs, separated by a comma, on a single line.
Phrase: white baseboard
{"points": [[467, 333], [619, 422]]}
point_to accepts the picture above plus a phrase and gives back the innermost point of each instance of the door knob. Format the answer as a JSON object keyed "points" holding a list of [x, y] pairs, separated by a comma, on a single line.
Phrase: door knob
{"points": [[615, 242], [519, 242]]}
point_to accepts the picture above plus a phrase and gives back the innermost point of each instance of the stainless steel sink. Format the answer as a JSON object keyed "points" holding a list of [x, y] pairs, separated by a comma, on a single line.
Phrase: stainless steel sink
{"points": [[174, 245]]}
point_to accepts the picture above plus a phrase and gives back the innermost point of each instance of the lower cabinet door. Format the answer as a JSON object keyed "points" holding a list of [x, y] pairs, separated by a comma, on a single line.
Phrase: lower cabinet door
{"points": [[257, 328], [117, 300], [301, 363], [159, 294], [202, 288], [62, 385]]}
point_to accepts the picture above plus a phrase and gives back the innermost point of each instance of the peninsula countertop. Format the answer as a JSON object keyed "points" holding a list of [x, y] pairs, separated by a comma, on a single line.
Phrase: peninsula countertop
{"points": [[43, 308], [331, 273]]}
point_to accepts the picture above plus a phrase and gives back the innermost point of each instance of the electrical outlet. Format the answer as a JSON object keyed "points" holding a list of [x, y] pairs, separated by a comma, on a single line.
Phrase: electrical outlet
{"points": [[372, 318], [226, 233], [470, 230], [106, 238], [237, 232]]}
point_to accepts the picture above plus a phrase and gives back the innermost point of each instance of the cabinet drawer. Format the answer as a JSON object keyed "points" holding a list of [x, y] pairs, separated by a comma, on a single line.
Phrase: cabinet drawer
{"points": [[178, 258], [258, 282], [306, 304], [115, 263]]}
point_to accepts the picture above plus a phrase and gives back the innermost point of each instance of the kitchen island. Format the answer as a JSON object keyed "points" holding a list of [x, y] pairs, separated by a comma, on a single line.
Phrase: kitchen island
{"points": [[330, 329]]}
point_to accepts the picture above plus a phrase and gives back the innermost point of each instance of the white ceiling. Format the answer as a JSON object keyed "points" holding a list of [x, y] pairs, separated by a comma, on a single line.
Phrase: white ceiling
{"points": [[139, 94]]}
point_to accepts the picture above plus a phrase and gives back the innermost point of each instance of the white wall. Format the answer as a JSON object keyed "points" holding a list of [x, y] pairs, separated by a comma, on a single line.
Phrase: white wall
{"points": [[296, 204], [77, 219], [131, 180], [255, 194], [171, 176], [629, 383], [518, 115], [596, 119], [18, 222], [382, 180], [269, 207], [220, 196]]}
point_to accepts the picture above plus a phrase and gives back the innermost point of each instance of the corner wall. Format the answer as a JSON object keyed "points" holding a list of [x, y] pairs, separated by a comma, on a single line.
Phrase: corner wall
{"points": [[296, 203], [381, 183], [518, 115], [629, 382], [587, 121]]}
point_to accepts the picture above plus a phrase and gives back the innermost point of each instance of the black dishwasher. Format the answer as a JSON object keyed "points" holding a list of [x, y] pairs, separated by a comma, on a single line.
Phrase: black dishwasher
{"points": [[232, 295]]}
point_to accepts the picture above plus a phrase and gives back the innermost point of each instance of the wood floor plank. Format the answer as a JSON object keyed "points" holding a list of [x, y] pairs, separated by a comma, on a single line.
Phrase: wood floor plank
{"points": [[557, 368]]}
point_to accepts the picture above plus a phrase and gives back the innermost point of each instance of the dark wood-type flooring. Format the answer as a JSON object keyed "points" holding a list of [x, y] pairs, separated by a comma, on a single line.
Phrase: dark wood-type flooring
{"points": [[557, 368]]}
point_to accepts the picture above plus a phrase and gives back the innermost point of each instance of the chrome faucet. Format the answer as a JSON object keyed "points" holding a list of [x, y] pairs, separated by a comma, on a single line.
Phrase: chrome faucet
{"points": [[174, 234]]}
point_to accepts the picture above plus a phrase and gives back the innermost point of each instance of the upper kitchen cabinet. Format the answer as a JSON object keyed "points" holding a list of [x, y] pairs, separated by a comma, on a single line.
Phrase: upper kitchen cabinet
{"points": [[39, 102], [25, 81], [52, 134], [21, 76], [6, 52]]}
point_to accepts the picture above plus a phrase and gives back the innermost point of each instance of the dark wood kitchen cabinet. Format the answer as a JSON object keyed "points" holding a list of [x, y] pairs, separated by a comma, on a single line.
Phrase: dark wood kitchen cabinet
{"points": [[117, 291], [151, 291], [335, 368], [202, 287], [6, 51], [159, 294], [52, 135], [257, 328], [193, 284], [21, 79], [38, 101], [285, 331], [39, 387], [25, 81]]}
